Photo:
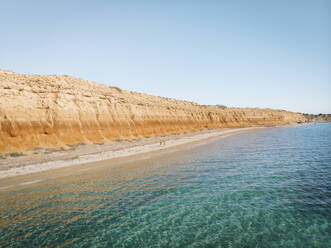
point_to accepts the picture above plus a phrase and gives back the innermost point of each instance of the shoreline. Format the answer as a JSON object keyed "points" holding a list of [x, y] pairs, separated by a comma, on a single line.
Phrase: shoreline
{"points": [[95, 153]]}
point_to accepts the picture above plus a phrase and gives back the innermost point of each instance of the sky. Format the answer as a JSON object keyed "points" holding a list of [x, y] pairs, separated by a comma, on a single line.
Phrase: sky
{"points": [[272, 54]]}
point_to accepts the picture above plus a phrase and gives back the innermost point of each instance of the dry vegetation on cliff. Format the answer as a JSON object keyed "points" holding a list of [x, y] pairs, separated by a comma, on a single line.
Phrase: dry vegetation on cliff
{"points": [[52, 111]]}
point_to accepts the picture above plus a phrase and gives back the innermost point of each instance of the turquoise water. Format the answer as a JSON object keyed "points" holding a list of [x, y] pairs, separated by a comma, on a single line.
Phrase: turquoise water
{"points": [[267, 188]]}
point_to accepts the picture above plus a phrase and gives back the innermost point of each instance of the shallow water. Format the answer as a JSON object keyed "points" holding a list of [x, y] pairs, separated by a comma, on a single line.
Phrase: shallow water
{"points": [[267, 188]]}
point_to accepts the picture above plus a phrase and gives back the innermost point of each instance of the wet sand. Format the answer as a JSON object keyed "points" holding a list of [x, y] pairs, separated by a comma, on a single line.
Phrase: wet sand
{"points": [[37, 163]]}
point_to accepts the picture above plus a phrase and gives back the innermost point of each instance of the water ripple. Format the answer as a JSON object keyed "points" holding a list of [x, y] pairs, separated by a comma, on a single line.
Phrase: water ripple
{"points": [[269, 188]]}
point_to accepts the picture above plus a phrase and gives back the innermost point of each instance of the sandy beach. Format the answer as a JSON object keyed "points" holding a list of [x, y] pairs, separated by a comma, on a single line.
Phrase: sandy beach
{"points": [[44, 160]]}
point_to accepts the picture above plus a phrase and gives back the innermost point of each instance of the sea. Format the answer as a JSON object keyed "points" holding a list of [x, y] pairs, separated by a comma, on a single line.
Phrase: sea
{"points": [[262, 188]]}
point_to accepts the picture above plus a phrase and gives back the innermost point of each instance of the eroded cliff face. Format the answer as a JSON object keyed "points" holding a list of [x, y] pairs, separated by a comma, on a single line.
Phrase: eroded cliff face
{"points": [[53, 111]]}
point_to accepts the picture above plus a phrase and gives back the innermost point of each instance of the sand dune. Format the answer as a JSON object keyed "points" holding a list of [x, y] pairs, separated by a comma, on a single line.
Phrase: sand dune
{"points": [[54, 111]]}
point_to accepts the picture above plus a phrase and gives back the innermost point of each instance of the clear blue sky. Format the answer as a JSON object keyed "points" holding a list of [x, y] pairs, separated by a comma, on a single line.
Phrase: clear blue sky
{"points": [[274, 54]]}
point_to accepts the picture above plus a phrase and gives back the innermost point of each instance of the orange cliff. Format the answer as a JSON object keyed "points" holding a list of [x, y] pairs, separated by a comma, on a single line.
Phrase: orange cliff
{"points": [[54, 111]]}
